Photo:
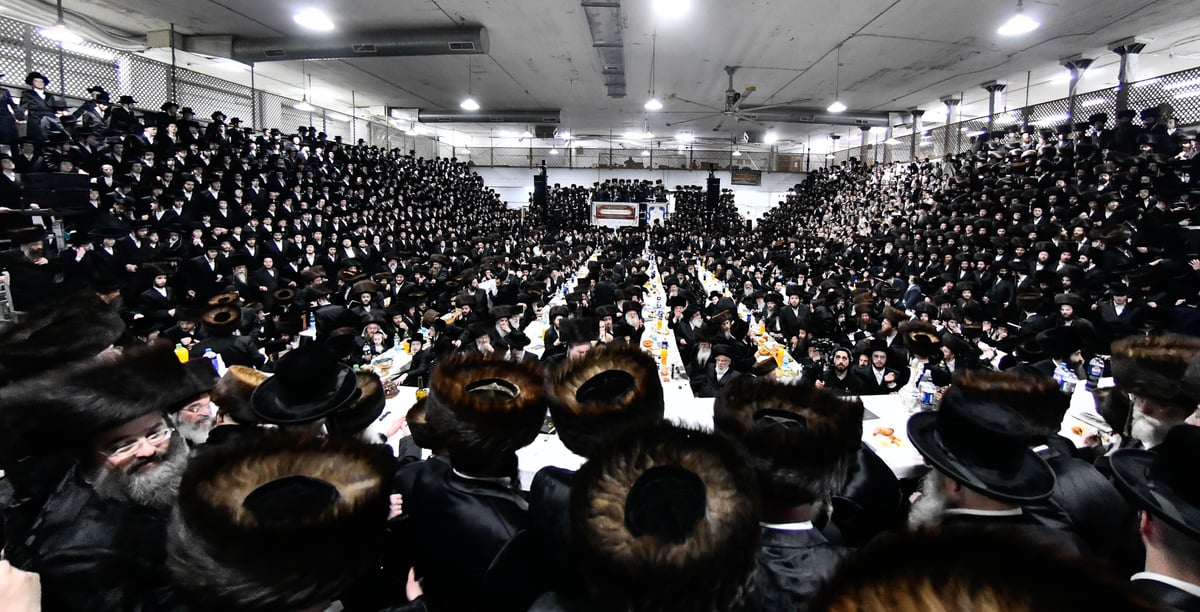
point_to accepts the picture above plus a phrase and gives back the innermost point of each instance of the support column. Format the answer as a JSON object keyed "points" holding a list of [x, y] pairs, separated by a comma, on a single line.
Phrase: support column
{"points": [[917, 131], [951, 104], [995, 91], [865, 134], [830, 158], [1077, 66], [889, 139], [1130, 49]]}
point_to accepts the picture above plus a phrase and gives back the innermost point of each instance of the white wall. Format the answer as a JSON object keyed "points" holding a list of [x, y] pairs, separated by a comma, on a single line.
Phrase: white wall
{"points": [[516, 184]]}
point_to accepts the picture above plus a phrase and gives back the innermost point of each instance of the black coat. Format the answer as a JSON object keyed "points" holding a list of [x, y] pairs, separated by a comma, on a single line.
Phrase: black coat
{"points": [[792, 565], [471, 540], [234, 350], [1167, 597], [95, 554], [868, 385]]}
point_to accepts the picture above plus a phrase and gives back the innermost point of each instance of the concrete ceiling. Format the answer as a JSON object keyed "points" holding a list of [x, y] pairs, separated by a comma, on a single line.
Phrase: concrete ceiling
{"points": [[896, 54]]}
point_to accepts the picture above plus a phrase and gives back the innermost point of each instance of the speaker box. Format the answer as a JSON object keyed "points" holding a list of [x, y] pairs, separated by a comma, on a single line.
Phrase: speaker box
{"points": [[713, 194], [539, 189]]}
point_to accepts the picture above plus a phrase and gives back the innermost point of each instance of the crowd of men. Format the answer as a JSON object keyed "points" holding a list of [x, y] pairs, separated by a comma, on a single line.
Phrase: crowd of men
{"points": [[1002, 279]]}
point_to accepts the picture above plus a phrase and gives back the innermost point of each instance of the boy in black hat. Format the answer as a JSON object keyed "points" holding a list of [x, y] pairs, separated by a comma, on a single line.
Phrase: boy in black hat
{"points": [[41, 117]]}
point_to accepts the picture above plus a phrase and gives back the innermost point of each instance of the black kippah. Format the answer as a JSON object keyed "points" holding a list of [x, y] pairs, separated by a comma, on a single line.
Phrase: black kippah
{"points": [[291, 499], [667, 502]]}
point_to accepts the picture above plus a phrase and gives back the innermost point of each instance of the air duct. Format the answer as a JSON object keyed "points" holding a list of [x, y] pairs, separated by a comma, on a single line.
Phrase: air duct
{"points": [[496, 116], [795, 114], [390, 43], [605, 23]]}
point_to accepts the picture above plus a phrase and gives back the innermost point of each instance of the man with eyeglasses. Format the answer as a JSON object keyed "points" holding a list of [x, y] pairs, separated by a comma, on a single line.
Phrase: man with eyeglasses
{"points": [[110, 464]]}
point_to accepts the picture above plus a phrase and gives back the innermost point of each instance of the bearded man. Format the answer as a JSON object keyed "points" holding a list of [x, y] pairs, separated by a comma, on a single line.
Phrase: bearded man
{"points": [[34, 277], [97, 537], [1151, 370]]}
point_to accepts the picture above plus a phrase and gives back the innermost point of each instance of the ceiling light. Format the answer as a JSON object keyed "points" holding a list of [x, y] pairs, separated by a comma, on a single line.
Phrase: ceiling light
{"points": [[59, 32], [771, 138], [653, 104], [891, 141], [554, 151], [1019, 23], [469, 104], [645, 153], [831, 156], [313, 19], [837, 105], [686, 137], [647, 134], [737, 153], [564, 135], [672, 8], [304, 106], [1091, 103], [526, 134]]}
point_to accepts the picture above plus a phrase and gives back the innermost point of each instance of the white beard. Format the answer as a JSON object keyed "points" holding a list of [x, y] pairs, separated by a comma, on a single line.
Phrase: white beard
{"points": [[241, 277], [696, 324], [195, 433], [702, 355], [1148, 430], [928, 509], [721, 372]]}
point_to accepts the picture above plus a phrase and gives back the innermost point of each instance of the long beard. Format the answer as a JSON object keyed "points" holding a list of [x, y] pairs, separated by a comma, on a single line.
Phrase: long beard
{"points": [[702, 355], [722, 372], [1148, 430], [153, 486], [928, 509], [195, 433], [241, 277]]}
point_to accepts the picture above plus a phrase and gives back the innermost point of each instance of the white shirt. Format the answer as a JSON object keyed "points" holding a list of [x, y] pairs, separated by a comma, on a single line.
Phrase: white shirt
{"points": [[803, 526], [1187, 587]]}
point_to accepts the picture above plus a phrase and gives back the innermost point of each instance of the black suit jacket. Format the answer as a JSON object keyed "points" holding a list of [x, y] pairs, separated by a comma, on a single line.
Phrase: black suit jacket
{"points": [[1169, 598], [868, 385], [792, 565]]}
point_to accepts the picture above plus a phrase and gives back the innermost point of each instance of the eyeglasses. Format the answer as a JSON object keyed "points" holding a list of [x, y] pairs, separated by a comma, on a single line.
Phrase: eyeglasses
{"points": [[125, 449]]}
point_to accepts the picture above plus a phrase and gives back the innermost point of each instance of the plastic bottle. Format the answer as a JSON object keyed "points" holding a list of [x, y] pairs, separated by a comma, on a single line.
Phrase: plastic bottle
{"points": [[1065, 379], [927, 394], [1095, 372], [213, 357], [181, 353]]}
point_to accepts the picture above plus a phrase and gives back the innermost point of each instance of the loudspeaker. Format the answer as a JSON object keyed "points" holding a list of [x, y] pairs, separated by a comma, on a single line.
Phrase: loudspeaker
{"points": [[539, 189], [713, 194]]}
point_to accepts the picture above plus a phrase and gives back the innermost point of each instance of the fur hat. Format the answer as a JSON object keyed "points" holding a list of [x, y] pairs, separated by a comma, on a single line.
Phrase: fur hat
{"points": [[797, 437], [359, 415], [613, 389], [233, 390], [72, 329], [222, 320], [284, 523], [1033, 396], [921, 338], [1153, 366], [667, 518], [483, 407]]}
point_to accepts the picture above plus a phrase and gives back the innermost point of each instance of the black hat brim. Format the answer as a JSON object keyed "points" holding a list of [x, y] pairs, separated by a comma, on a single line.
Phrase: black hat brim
{"points": [[1131, 470], [1032, 481], [271, 406]]}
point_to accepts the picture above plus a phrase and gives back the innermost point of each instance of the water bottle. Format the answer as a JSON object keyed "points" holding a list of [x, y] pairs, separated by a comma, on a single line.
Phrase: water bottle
{"points": [[1095, 372], [312, 323], [926, 394], [1065, 379], [212, 356]]}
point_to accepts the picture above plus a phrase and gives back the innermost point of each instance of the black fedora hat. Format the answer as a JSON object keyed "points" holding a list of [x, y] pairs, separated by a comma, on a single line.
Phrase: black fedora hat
{"points": [[985, 446], [308, 384], [37, 75], [1163, 481]]}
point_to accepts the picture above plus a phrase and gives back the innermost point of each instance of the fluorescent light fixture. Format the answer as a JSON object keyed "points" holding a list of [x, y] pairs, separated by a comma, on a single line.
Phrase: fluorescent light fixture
{"points": [[304, 107], [469, 104], [1181, 84], [737, 153], [1091, 103], [1187, 94], [526, 134], [653, 104], [313, 19], [836, 107], [1019, 23], [831, 156], [337, 117], [672, 8], [93, 52], [60, 33], [771, 138]]}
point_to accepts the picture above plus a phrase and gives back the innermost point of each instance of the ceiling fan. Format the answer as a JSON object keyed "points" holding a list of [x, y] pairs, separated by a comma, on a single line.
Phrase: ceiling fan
{"points": [[732, 107]]}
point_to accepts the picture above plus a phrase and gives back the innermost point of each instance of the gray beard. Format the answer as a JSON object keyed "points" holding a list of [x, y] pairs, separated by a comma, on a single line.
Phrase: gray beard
{"points": [[154, 487], [927, 510], [195, 433], [1148, 430], [702, 355]]}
